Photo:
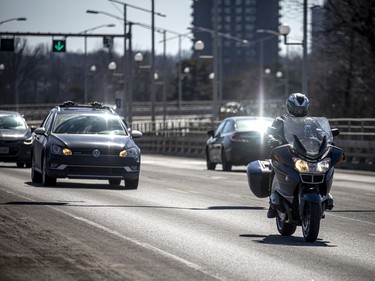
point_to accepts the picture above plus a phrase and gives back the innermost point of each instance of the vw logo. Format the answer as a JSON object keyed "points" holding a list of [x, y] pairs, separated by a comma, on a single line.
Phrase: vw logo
{"points": [[96, 153]]}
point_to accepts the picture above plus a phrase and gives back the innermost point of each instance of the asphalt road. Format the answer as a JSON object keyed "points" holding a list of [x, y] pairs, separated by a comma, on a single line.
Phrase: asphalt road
{"points": [[183, 223]]}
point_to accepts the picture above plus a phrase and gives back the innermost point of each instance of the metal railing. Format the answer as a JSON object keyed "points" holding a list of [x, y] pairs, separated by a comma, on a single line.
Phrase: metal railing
{"points": [[188, 137]]}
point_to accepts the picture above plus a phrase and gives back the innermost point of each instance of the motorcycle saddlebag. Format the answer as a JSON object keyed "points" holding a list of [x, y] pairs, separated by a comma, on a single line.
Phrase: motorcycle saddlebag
{"points": [[258, 173]]}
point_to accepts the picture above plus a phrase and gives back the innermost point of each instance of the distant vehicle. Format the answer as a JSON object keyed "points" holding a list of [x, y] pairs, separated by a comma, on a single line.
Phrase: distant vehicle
{"points": [[232, 108], [85, 142], [15, 139], [237, 141]]}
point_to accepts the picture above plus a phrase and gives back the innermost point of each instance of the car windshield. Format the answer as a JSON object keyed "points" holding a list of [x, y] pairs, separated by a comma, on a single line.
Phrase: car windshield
{"points": [[12, 122], [258, 124], [309, 132], [88, 124]]}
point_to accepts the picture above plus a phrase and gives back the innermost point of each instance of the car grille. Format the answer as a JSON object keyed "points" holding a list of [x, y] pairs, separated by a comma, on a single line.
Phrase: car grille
{"points": [[95, 171], [312, 179]]}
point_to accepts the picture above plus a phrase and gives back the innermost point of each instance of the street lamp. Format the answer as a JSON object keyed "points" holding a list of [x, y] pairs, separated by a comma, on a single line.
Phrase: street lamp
{"points": [[85, 64], [12, 19], [124, 18], [285, 30]]}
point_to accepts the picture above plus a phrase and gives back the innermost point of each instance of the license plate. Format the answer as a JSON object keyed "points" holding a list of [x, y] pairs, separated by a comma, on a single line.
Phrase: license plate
{"points": [[4, 150]]}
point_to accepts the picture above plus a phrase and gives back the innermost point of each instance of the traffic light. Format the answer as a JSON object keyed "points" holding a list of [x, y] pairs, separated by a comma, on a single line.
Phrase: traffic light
{"points": [[58, 46], [7, 44]]}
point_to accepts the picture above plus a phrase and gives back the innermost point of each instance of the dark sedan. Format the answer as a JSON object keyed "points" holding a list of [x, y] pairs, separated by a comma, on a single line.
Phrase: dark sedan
{"points": [[238, 140], [86, 142], [15, 139]]}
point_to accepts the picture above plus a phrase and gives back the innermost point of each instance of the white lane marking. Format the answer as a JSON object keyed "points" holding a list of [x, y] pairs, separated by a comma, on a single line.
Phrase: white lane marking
{"points": [[366, 222], [132, 240]]}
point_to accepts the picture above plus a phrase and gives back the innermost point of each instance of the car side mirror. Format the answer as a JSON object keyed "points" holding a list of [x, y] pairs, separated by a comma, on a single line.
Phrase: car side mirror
{"points": [[40, 131], [335, 132], [211, 133], [136, 134]]}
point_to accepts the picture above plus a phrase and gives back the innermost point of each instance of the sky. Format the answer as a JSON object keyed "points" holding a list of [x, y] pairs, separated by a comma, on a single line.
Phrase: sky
{"points": [[69, 16]]}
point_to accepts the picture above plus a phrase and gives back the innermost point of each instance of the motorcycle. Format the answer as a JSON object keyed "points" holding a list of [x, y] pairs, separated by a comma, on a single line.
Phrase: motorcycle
{"points": [[298, 175]]}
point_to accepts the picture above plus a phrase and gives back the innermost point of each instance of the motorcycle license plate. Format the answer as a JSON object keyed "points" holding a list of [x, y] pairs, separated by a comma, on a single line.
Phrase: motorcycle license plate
{"points": [[4, 150]]}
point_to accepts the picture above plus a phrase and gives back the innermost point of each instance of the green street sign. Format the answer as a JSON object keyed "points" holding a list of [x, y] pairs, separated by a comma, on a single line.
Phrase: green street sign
{"points": [[58, 46]]}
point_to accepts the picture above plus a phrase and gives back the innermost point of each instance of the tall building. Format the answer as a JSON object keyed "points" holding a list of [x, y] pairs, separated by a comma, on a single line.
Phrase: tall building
{"points": [[237, 20]]}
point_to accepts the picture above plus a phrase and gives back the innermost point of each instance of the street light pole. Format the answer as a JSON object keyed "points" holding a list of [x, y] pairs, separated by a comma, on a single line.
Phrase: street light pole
{"points": [[153, 97], [85, 63], [125, 5], [284, 30], [304, 44], [13, 19]]}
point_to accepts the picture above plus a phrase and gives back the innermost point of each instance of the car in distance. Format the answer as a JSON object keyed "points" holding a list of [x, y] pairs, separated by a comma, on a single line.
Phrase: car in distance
{"points": [[15, 139], [85, 142], [237, 140]]}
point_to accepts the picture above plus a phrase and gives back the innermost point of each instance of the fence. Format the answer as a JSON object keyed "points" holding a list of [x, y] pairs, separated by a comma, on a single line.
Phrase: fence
{"points": [[188, 138]]}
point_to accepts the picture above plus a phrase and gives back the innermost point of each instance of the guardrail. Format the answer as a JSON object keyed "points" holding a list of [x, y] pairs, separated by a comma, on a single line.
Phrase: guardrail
{"points": [[188, 138]]}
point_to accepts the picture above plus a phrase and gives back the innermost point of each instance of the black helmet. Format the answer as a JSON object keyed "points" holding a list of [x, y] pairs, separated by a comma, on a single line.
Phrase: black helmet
{"points": [[297, 105]]}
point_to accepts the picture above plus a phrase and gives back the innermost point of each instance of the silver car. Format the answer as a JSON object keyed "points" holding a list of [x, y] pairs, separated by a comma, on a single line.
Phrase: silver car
{"points": [[15, 139]]}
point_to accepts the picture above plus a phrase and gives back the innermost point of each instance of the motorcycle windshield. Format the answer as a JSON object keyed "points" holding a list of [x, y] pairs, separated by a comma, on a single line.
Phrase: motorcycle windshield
{"points": [[308, 135]]}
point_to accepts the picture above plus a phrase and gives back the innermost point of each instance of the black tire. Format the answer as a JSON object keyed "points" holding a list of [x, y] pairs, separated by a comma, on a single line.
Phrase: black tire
{"points": [[131, 184], [210, 165], [20, 164], [285, 229], [312, 214], [114, 181], [227, 166], [36, 177], [47, 180]]}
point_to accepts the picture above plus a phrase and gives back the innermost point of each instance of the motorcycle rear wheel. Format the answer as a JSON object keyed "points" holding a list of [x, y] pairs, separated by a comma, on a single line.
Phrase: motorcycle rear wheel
{"points": [[284, 228], [312, 214]]}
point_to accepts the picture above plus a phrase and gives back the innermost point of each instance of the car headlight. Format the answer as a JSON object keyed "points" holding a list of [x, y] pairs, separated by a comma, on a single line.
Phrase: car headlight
{"points": [[57, 150], [303, 166], [28, 141], [129, 152]]}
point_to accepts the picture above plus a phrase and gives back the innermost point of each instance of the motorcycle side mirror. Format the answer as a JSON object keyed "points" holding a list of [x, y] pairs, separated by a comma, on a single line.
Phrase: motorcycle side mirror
{"points": [[335, 132]]}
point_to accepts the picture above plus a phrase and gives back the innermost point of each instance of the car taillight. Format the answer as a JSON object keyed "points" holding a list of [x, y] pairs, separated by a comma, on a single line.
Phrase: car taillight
{"points": [[238, 137]]}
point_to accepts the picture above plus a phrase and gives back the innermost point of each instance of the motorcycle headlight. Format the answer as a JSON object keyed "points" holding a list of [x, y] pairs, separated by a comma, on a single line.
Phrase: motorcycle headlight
{"points": [[323, 166], [303, 166]]}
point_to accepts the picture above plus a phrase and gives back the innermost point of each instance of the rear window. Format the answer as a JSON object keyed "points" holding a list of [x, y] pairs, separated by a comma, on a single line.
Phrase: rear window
{"points": [[104, 124], [259, 125]]}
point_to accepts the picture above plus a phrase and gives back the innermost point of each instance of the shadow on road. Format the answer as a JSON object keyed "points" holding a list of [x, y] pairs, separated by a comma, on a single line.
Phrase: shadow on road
{"points": [[286, 240], [72, 185]]}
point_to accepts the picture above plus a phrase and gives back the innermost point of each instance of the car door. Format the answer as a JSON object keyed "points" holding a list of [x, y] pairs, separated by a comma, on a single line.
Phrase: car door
{"points": [[215, 143], [40, 141]]}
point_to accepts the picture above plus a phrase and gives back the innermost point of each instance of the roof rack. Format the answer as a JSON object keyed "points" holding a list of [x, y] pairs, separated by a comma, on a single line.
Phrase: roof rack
{"points": [[67, 103], [95, 105]]}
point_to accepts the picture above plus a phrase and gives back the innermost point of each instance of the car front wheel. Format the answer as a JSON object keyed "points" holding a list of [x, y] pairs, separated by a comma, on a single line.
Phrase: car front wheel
{"points": [[210, 165], [227, 166], [36, 177], [47, 180], [131, 184]]}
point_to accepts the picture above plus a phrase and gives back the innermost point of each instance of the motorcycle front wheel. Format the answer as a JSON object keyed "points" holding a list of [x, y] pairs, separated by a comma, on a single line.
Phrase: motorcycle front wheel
{"points": [[284, 228], [311, 221]]}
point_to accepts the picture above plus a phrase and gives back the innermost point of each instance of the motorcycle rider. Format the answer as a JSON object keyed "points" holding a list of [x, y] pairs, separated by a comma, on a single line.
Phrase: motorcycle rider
{"points": [[297, 105]]}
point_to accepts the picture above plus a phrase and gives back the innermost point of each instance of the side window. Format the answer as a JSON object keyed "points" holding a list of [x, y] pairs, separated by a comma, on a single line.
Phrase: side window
{"points": [[219, 129], [228, 127], [48, 121]]}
